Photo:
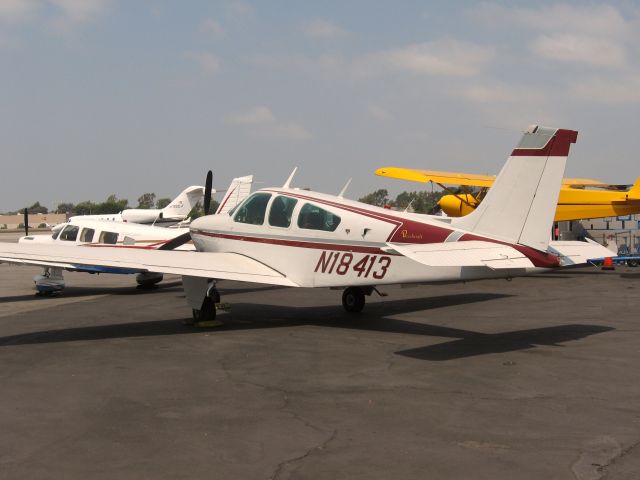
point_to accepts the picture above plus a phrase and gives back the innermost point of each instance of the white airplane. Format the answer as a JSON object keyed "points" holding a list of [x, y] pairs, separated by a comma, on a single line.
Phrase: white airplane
{"points": [[84, 230], [175, 212], [297, 238]]}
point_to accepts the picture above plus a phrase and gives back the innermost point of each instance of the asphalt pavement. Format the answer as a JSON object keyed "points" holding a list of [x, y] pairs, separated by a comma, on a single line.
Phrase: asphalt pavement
{"points": [[529, 379]]}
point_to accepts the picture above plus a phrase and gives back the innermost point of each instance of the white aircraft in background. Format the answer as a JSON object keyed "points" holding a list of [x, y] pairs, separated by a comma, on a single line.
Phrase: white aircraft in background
{"points": [[175, 212], [297, 238], [85, 230]]}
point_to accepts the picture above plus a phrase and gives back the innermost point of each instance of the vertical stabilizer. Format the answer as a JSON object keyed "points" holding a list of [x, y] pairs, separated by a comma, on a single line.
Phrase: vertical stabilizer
{"points": [[180, 207], [239, 189], [634, 191], [520, 206]]}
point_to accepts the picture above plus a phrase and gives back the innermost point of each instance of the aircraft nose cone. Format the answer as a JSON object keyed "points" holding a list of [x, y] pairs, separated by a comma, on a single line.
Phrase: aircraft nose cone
{"points": [[198, 223]]}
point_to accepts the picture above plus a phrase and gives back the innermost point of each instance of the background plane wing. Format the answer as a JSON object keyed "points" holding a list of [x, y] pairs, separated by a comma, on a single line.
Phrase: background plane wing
{"points": [[218, 265], [473, 180], [445, 178], [464, 254]]}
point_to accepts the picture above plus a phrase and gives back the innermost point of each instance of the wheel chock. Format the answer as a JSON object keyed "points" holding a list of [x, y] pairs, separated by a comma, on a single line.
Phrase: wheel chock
{"points": [[223, 306], [209, 323]]}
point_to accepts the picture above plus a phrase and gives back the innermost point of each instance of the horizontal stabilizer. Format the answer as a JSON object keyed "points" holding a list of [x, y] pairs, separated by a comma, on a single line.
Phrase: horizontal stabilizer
{"points": [[576, 253], [464, 254], [219, 265]]}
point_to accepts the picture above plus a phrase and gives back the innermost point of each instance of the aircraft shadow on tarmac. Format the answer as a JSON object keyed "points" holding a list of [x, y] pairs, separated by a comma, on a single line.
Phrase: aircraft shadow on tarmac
{"points": [[77, 292], [466, 343]]}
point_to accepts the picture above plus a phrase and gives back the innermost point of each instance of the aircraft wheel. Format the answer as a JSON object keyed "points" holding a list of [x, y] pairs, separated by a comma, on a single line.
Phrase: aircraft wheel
{"points": [[206, 316], [353, 299]]}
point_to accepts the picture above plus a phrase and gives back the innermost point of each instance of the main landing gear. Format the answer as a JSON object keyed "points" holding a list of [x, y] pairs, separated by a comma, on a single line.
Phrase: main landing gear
{"points": [[353, 297], [203, 296]]}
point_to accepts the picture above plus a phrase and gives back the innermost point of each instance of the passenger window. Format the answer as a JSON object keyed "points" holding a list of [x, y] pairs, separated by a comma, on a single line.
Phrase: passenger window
{"points": [[110, 238], [70, 233], [316, 218], [281, 210], [253, 209], [87, 235]]}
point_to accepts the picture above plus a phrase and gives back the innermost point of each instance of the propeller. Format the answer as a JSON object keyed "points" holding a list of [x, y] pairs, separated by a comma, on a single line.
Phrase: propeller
{"points": [[186, 237], [26, 222], [207, 192]]}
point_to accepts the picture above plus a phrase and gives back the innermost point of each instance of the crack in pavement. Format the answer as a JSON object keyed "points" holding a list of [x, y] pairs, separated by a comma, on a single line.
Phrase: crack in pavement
{"points": [[321, 446]]}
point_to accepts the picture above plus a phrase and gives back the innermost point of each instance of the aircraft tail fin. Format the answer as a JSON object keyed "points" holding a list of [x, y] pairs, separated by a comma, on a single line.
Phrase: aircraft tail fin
{"points": [[520, 206], [634, 192], [183, 203], [239, 189]]}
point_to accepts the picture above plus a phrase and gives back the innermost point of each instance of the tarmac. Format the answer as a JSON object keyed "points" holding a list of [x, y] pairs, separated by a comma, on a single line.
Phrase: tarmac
{"points": [[529, 379]]}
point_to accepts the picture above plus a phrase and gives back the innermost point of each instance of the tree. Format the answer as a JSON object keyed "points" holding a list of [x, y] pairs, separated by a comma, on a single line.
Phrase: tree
{"points": [[379, 198], [198, 210], [112, 205], [147, 200], [419, 202], [37, 208], [65, 208], [162, 202]]}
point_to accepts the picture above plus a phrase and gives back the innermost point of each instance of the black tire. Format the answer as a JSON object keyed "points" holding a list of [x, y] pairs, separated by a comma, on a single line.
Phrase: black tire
{"points": [[632, 263], [353, 299]]}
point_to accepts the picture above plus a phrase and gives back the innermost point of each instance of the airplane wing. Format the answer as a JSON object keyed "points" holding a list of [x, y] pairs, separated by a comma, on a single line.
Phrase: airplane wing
{"points": [[464, 254], [445, 178], [471, 179], [218, 265]]}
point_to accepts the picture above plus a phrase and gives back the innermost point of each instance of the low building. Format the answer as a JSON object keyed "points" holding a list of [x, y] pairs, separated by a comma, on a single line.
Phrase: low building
{"points": [[36, 220]]}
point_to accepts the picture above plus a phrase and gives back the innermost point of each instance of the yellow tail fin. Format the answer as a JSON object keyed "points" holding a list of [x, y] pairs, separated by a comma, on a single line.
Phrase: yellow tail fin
{"points": [[634, 192]]}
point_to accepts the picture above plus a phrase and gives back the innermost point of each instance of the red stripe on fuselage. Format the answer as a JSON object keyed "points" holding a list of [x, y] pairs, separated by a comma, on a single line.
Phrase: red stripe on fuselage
{"points": [[294, 243]]}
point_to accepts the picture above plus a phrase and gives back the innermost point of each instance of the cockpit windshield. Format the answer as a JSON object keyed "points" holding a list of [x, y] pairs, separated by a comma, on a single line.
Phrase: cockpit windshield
{"points": [[253, 209]]}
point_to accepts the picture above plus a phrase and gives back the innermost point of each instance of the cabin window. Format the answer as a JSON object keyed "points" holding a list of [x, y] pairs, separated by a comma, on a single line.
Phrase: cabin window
{"points": [[87, 235], [252, 211], [55, 234], [70, 233], [110, 238], [315, 218], [281, 211]]}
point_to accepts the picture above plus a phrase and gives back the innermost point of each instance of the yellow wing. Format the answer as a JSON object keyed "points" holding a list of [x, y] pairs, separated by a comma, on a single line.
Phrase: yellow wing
{"points": [[466, 179], [445, 178]]}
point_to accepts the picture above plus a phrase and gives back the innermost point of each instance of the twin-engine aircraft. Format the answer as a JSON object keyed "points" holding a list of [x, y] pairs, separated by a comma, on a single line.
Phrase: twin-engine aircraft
{"points": [[173, 213], [297, 238], [579, 198], [86, 230]]}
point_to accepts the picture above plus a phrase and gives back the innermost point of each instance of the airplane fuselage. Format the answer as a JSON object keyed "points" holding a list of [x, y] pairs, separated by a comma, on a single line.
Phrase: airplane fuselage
{"points": [[350, 243]]}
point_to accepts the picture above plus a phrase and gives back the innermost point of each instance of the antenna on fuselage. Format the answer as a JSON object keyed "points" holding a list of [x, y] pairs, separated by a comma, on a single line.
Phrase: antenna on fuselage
{"points": [[287, 184], [344, 189]]}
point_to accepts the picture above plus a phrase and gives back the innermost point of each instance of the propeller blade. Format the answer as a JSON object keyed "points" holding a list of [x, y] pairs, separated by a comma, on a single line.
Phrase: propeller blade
{"points": [[176, 242], [207, 192], [26, 222]]}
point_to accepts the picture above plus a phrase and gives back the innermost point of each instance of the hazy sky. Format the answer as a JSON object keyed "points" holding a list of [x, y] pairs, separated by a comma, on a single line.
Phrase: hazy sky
{"points": [[126, 97]]}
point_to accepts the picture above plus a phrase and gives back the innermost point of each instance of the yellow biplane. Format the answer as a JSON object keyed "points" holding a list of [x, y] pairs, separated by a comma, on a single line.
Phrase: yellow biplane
{"points": [[580, 198]]}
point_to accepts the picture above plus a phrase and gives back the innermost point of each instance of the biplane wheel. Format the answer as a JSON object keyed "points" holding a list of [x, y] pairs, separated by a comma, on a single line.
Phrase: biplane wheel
{"points": [[353, 299]]}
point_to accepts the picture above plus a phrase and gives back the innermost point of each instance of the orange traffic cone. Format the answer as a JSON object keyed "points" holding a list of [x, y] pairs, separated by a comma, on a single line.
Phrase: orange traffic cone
{"points": [[608, 264]]}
